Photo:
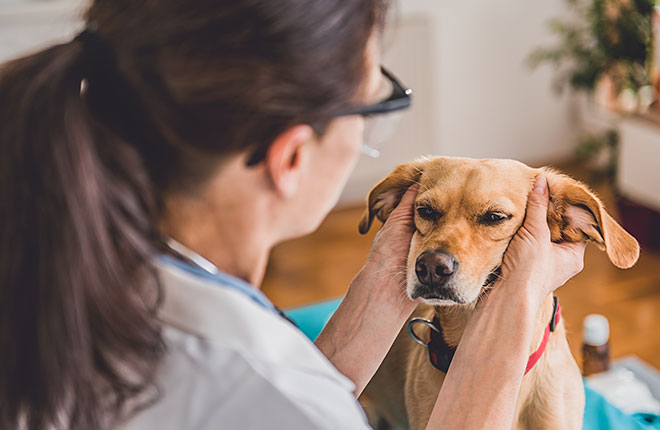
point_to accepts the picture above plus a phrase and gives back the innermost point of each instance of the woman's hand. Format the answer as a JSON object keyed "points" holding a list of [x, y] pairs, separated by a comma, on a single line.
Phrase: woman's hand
{"points": [[533, 265], [387, 265], [363, 328]]}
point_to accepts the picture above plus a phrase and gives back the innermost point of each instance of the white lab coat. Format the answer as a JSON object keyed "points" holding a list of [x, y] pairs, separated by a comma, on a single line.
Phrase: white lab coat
{"points": [[233, 363]]}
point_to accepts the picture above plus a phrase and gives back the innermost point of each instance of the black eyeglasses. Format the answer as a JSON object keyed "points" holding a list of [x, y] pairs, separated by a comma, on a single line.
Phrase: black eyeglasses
{"points": [[398, 98], [382, 117]]}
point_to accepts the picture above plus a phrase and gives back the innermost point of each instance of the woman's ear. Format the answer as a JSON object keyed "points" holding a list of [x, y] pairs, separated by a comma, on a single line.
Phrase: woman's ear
{"points": [[384, 197], [576, 214], [283, 160]]}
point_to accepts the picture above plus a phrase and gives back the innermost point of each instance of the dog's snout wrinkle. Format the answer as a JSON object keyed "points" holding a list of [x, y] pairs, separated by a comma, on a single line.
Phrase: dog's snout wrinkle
{"points": [[435, 267]]}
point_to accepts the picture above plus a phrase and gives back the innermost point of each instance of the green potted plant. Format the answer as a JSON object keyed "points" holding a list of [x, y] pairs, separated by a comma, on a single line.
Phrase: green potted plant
{"points": [[606, 51], [608, 44]]}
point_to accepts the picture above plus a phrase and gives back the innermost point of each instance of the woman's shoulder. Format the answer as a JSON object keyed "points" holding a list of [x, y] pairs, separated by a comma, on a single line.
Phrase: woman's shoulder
{"points": [[218, 382], [226, 317], [230, 360]]}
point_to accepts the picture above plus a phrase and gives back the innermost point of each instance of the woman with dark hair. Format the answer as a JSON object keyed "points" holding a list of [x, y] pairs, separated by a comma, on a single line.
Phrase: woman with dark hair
{"points": [[171, 130]]}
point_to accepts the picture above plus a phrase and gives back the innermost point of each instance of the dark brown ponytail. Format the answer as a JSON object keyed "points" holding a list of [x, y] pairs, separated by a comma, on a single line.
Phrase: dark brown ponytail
{"points": [[93, 134], [76, 216]]}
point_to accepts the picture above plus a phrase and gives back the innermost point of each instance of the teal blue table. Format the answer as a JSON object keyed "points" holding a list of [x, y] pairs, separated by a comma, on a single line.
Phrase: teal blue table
{"points": [[599, 414]]}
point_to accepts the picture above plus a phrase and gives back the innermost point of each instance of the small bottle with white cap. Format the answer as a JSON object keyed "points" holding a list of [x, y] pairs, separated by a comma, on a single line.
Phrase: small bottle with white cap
{"points": [[595, 344]]}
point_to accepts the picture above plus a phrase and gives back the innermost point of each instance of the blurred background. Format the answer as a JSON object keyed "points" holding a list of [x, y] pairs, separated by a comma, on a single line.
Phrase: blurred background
{"points": [[566, 83]]}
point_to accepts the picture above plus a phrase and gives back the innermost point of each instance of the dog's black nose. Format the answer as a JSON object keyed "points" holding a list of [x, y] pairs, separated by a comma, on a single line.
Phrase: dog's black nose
{"points": [[434, 267]]}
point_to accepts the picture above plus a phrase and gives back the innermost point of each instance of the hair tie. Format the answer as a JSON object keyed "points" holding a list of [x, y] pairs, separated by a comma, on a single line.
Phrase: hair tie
{"points": [[98, 55], [109, 95], [86, 35]]}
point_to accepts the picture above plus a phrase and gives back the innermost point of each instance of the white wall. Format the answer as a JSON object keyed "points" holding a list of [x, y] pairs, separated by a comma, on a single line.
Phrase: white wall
{"points": [[639, 152], [26, 25], [474, 94]]}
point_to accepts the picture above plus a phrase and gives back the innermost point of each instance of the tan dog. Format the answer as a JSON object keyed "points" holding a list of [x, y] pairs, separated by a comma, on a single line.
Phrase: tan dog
{"points": [[466, 212]]}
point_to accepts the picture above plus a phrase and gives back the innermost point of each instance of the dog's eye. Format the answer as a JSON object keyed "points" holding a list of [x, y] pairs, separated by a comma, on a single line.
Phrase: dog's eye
{"points": [[427, 213], [494, 217]]}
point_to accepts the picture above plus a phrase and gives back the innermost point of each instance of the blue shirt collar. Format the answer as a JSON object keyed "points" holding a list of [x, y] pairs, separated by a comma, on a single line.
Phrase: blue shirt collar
{"points": [[223, 279]]}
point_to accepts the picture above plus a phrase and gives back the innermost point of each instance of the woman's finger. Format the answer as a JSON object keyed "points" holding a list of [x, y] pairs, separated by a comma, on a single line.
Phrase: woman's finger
{"points": [[408, 198], [571, 254], [574, 246], [537, 209], [405, 207]]}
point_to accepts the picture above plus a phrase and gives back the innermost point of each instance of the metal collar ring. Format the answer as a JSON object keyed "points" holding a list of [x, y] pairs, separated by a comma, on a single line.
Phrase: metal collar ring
{"points": [[412, 323]]}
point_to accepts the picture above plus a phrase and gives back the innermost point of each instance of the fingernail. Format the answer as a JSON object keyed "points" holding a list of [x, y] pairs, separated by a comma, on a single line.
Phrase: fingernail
{"points": [[540, 184]]}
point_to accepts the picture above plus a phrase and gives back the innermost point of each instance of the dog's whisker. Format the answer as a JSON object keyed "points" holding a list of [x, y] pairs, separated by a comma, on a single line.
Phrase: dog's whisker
{"points": [[421, 173], [403, 270], [386, 268], [426, 188]]}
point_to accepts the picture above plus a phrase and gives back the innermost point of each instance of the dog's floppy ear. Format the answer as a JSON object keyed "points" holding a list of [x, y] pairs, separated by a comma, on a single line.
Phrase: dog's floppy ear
{"points": [[384, 197], [575, 214]]}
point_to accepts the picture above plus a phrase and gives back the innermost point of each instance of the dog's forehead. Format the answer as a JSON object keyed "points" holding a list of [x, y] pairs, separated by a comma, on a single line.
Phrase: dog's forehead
{"points": [[478, 180]]}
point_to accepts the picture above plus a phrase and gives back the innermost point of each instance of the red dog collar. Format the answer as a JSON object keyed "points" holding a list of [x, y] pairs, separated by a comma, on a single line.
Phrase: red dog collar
{"points": [[441, 354]]}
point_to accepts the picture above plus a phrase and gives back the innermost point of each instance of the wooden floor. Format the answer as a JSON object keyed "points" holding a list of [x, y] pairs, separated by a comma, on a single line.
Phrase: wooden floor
{"points": [[320, 266]]}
